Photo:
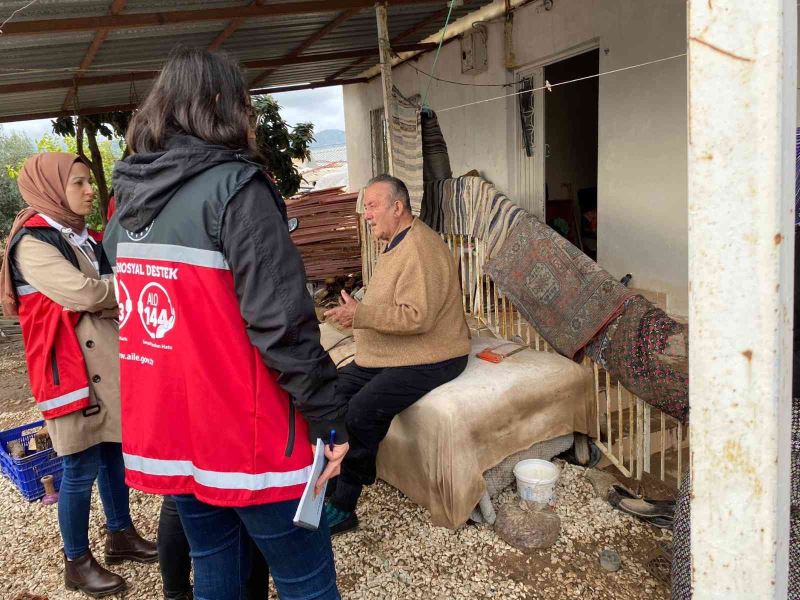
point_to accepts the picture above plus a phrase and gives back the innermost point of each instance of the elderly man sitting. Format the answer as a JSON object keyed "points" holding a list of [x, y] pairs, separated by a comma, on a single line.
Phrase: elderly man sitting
{"points": [[410, 335]]}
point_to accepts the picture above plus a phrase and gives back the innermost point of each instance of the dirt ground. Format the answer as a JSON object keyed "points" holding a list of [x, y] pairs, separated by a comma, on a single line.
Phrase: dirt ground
{"points": [[15, 392], [395, 553]]}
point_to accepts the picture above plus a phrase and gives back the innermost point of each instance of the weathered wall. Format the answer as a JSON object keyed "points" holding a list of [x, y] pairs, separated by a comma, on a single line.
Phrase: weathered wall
{"points": [[642, 161]]}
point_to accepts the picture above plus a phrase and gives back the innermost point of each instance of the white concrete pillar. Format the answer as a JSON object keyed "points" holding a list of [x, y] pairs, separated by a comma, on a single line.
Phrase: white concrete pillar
{"points": [[742, 90]]}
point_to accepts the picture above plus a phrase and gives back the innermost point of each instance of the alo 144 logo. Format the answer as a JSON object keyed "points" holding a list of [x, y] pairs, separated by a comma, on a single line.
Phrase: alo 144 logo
{"points": [[156, 310], [124, 300]]}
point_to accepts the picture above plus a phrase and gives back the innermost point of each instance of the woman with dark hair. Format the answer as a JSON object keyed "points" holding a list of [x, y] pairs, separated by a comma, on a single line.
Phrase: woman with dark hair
{"points": [[57, 279], [222, 373], [173, 548]]}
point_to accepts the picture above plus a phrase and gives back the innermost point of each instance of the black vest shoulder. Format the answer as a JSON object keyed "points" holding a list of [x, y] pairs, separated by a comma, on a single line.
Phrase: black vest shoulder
{"points": [[55, 239], [193, 216]]}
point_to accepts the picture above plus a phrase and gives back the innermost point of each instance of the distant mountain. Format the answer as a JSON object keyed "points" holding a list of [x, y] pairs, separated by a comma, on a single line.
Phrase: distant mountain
{"points": [[328, 137]]}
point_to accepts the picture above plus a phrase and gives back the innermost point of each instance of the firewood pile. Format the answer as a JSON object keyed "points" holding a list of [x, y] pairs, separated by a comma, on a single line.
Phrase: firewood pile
{"points": [[328, 236]]}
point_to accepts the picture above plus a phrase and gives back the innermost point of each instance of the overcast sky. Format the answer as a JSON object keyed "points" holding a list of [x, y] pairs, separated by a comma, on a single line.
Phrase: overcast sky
{"points": [[323, 107]]}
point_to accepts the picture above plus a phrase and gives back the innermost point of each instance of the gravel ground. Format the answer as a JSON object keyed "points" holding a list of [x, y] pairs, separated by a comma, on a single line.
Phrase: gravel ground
{"points": [[396, 554]]}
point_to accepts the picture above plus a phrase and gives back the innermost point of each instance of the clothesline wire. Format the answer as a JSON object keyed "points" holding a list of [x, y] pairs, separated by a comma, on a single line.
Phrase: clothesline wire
{"points": [[421, 72], [438, 50], [19, 10], [550, 86]]}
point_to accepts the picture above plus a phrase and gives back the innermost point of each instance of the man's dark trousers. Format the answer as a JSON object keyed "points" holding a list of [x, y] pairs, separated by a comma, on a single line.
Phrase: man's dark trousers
{"points": [[375, 397]]}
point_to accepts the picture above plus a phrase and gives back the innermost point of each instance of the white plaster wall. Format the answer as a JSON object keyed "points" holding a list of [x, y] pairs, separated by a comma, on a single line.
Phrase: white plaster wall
{"points": [[473, 139], [642, 172]]}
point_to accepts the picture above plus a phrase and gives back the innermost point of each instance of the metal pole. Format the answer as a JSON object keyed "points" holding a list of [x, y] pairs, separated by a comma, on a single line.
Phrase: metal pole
{"points": [[386, 76], [742, 80]]}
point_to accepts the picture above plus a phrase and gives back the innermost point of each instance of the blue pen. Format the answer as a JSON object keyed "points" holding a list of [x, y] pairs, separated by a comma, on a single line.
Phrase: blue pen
{"points": [[333, 438]]}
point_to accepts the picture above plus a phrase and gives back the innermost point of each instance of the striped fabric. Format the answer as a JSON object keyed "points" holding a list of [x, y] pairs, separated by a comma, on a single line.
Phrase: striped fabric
{"points": [[681, 588], [471, 206], [794, 515], [797, 178], [406, 132]]}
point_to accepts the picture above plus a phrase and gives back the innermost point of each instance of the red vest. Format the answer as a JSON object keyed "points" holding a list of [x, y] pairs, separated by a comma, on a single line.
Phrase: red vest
{"points": [[56, 367], [201, 413]]}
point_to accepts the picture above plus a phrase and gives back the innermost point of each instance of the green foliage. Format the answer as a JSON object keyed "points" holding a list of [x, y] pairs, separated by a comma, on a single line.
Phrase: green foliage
{"points": [[14, 149], [47, 143], [86, 128], [109, 125], [281, 145]]}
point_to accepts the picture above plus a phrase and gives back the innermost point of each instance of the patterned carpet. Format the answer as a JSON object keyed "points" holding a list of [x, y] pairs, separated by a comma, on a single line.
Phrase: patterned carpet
{"points": [[556, 287]]}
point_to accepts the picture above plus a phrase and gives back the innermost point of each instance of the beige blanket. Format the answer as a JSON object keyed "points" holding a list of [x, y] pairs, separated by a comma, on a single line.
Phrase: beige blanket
{"points": [[437, 450]]}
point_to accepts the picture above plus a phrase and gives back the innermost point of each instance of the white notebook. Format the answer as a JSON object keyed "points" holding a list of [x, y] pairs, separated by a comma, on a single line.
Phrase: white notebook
{"points": [[309, 510]]}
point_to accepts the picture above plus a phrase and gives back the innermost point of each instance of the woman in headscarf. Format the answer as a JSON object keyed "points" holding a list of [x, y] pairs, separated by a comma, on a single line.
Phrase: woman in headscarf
{"points": [[57, 279]]}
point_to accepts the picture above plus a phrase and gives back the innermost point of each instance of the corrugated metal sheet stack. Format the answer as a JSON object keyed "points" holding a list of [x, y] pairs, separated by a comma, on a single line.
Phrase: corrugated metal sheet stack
{"points": [[328, 236]]}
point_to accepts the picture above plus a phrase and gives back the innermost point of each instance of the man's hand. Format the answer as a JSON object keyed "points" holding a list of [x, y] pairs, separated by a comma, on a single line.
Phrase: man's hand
{"points": [[334, 466], [345, 312]]}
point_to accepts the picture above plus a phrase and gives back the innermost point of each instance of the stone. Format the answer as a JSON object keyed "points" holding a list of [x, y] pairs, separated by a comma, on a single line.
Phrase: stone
{"points": [[610, 560], [527, 529]]}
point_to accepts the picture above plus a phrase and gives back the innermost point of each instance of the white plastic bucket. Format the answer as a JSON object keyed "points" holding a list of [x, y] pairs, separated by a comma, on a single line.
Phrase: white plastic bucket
{"points": [[536, 480]]}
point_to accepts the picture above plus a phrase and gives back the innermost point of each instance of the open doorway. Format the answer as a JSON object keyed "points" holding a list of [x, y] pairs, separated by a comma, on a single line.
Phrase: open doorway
{"points": [[570, 151]]}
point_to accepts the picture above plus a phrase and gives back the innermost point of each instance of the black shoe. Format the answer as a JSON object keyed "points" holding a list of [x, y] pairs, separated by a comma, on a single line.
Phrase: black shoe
{"points": [[340, 521]]}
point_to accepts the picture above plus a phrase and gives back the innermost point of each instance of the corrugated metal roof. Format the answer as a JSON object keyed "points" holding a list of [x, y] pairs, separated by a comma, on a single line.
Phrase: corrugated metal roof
{"points": [[56, 55]]}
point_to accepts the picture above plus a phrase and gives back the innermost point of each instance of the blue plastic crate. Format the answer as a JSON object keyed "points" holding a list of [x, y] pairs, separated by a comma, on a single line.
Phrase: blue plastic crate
{"points": [[27, 472]]}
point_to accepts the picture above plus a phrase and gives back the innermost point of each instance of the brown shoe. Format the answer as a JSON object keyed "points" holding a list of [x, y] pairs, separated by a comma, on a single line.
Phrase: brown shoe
{"points": [[129, 545], [85, 574]]}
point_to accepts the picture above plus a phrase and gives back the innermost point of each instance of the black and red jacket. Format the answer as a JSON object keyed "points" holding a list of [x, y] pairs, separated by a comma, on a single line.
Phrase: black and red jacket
{"points": [[56, 367], [219, 342]]}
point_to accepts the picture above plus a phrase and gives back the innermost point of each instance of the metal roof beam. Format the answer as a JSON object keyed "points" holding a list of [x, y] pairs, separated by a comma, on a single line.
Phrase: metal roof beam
{"points": [[100, 37], [178, 17], [230, 29], [323, 57], [55, 84], [437, 16], [307, 86], [92, 110], [310, 41], [88, 58]]}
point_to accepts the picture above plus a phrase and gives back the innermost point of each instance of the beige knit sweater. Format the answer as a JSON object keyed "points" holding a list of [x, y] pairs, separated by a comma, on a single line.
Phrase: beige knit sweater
{"points": [[412, 313]]}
